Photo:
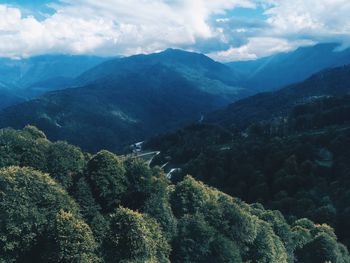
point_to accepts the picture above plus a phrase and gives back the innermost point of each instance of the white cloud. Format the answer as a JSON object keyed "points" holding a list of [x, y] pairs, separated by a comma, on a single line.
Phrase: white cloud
{"points": [[120, 27], [315, 19], [258, 47], [294, 23], [110, 27]]}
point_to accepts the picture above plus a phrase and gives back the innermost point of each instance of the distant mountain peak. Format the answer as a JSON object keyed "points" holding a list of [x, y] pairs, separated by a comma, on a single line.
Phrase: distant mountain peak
{"points": [[181, 52], [211, 76]]}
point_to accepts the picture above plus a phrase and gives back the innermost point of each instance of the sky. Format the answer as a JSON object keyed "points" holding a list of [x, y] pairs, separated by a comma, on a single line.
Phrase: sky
{"points": [[226, 30]]}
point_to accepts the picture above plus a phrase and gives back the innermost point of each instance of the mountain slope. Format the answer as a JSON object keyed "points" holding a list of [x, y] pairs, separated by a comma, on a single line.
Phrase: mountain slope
{"points": [[265, 106], [64, 205], [8, 98], [210, 76], [125, 100], [286, 68], [115, 111], [26, 72], [28, 78], [299, 166]]}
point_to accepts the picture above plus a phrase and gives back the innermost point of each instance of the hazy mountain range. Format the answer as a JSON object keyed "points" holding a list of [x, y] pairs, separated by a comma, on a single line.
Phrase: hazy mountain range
{"points": [[282, 69], [27, 78], [113, 102]]}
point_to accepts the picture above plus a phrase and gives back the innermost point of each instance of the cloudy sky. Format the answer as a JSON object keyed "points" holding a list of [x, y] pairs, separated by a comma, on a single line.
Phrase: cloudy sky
{"points": [[226, 30]]}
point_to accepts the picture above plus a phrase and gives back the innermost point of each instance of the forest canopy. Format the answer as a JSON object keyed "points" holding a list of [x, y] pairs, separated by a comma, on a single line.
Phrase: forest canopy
{"points": [[59, 204]]}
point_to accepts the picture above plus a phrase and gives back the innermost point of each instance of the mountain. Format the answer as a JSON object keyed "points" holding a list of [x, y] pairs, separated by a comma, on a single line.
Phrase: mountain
{"points": [[209, 75], [125, 100], [288, 150], [282, 69], [8, 98], [22, 73], [266, 106], [23, 79], [117, 110], [41, 87]]}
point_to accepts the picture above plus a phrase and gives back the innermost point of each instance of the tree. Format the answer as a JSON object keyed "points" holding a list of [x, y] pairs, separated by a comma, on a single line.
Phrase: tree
{"points": [[34, 132], [267, 247], [189, 197], [193, 240], [106, 175], [70, 240], [134, 237], [141, 183], [234, 222], [30, 201], [197, 241], [322, 248], [159, 208], [22, 148], [65, 161]]}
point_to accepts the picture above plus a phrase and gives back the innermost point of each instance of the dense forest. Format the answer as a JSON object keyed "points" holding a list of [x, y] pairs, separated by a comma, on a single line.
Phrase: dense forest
{"points": [[297, 165], [59, 204]]}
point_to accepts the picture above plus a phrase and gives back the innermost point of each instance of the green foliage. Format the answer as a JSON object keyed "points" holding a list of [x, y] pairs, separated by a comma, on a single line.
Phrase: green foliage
{"points": [[23, 149], [35, 132], [106, 175], [280, 227], [65, 161], [197, 241], [30, 147], [236, 222], [267, 247], [186, 222], [192, 243], [224, 250], [259, 235], [134, 237], [159, 208], [189, 197], [90, 209], [216, 218], [83, 195], [190, 141], [297, 164], [30, 201], [73, 241], [323, 248], [140, 183]]}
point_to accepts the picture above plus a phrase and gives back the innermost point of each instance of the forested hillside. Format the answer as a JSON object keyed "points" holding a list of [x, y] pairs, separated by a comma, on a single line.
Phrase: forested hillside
{"points": [[8, 98], [117, 111], [270, 105], [297, 165], [59, 204]]}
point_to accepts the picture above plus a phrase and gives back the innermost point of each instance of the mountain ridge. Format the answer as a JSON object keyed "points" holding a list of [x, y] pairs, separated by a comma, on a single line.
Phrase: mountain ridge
{"points": [[263, 106], [213, 77], [282, 69], [115, 111]]}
